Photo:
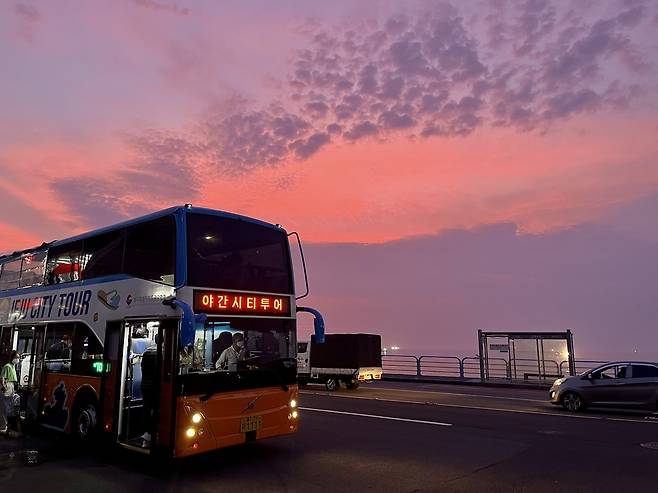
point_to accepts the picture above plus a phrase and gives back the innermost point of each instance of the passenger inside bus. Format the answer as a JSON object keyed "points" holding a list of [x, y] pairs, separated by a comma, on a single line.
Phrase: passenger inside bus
{"points": [[149, 386], [185, 358], [222, 342], [61, 349], [139, 343], [230, 357]]}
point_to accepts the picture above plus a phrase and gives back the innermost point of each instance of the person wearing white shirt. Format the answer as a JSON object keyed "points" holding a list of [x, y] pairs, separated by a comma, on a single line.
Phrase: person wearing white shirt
{"points": [[230, 357]]}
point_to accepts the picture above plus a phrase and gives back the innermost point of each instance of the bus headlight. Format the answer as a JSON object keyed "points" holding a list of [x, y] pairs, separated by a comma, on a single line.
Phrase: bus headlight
{"points": [[190, 432], [196, 418], [295, 414], [293, 403]]}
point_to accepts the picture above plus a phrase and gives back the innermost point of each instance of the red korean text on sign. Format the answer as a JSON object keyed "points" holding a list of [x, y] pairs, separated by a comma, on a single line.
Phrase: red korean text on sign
{"points": [[214, 302]]}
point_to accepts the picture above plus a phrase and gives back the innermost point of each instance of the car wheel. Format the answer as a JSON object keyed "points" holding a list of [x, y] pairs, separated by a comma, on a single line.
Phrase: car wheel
{"points": [[332, 384], [572, 402]]}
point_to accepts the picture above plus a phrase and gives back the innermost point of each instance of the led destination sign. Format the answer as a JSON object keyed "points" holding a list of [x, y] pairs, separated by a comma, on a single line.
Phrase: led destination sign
{"points": [[227, 303]]}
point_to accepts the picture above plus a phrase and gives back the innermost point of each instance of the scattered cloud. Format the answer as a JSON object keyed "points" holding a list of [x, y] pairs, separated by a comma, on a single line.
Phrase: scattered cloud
{"points": [[163, 7], [28, 18], [440, 72], [426, 74]]}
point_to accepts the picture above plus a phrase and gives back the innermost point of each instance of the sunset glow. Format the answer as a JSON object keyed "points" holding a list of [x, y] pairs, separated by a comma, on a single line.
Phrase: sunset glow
{"points": [[449, 159]]}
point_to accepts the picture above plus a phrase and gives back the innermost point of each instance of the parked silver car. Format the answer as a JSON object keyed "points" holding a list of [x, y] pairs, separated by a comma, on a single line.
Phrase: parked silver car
{"points": [[616, 384]]}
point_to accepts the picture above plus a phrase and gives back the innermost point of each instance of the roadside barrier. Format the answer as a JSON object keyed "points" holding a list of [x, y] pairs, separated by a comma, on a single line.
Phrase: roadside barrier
{"points": [[451, 367]]}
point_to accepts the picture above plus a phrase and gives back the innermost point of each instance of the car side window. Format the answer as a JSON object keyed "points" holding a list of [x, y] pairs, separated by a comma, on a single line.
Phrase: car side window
{"points": [[645, 371], [605, 373]]}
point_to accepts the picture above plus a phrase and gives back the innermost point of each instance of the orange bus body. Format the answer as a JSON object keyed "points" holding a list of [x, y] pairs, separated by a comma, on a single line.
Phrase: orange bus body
{"points": [[222, 413]]}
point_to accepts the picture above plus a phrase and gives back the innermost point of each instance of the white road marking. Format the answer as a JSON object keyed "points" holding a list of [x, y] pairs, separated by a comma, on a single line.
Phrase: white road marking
{"points": [[391, 418], [483, 408], [462, 394]]}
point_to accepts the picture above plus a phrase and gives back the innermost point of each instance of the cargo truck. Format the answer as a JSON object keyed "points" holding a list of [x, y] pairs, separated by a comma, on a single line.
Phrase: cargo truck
{"points": [[349, 359]]}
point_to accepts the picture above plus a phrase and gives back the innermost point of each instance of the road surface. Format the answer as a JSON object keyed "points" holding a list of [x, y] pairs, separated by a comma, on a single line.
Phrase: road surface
{"points": [[384, 437]]}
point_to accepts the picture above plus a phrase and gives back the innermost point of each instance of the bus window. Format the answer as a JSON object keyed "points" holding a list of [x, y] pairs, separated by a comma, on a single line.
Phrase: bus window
{"points": [[225, 253], [34, 266], [11, 273], [103, 255], [85, 349], [151, 250], [85, 344], [63, 263], [59, 341]]}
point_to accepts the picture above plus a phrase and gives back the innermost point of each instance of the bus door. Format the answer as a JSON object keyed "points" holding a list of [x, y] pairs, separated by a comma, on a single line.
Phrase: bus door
{"points": [[29, 342], [146, 383], [112, 351]]}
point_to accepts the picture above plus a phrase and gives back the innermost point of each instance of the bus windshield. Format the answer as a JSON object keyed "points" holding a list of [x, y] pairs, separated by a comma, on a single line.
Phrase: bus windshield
{"points": [[242, 353], [235, 254]]}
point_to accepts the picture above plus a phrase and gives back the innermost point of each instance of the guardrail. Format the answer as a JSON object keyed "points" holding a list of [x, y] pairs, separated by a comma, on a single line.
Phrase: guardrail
{"points": [[469, 367]]}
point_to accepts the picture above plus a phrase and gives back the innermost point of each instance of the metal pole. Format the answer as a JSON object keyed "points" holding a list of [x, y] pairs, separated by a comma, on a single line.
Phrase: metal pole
{"points": [[512, 350], [572, 356], [538, 362], [481, 355]]}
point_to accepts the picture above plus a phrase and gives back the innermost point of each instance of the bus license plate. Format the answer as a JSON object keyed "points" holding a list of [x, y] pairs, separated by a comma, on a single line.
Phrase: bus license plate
{"points": [[251, 423]]}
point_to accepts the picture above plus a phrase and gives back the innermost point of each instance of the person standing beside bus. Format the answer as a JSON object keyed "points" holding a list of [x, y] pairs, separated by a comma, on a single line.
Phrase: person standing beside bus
{"points": [[8, 382], [229, 358]]}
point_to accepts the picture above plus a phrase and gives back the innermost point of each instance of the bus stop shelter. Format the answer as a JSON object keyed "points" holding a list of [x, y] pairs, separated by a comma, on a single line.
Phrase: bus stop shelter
{"points": [[526, 356]]}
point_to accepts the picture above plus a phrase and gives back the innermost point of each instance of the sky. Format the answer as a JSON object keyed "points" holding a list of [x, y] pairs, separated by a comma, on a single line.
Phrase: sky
{"points": [[450, 166]]}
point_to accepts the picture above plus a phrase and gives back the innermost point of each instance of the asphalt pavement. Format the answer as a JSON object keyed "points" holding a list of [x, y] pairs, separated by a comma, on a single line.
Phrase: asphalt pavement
{"points": [[383, 437]]}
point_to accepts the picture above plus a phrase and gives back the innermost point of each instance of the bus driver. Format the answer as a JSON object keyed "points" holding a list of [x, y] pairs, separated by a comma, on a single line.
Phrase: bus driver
{"points": [[229, 358]]}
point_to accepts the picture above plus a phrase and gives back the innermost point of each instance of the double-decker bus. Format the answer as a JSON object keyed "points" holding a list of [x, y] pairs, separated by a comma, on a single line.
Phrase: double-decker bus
{"points": [[133, 332]]}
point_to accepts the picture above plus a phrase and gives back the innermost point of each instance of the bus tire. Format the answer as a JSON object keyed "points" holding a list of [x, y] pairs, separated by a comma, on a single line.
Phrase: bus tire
{"points": [[85, 421], [352, 385], [332, 384]]}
